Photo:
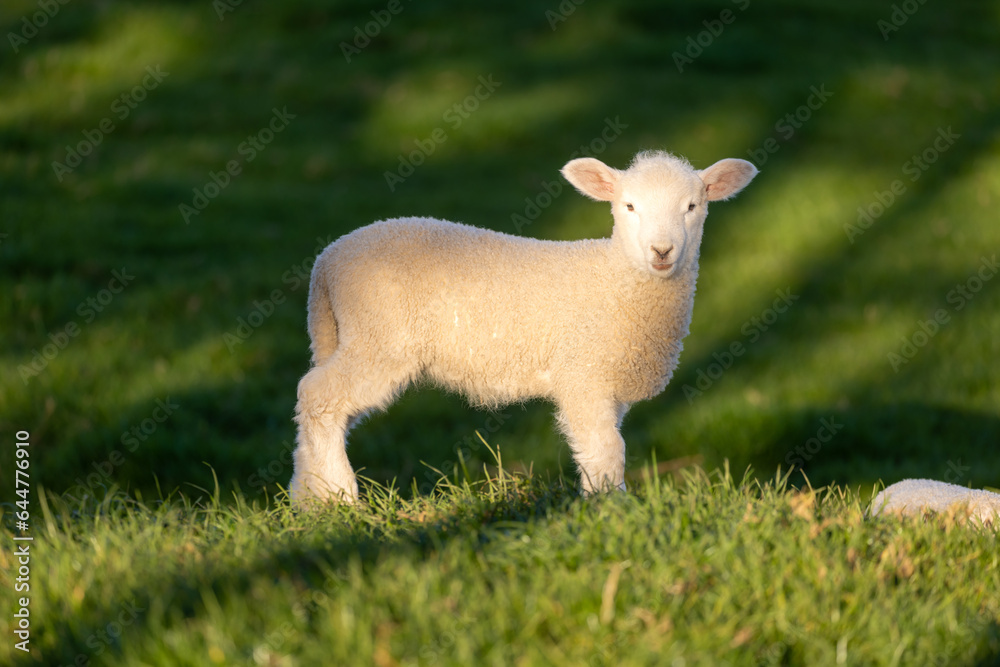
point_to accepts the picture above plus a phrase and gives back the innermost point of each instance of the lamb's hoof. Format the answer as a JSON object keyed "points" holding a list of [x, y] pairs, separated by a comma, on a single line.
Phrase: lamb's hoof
{"points": [[316, 495]]}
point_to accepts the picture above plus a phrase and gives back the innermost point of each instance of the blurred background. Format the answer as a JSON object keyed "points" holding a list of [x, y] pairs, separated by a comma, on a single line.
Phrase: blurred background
{"points": [[169, 170]]}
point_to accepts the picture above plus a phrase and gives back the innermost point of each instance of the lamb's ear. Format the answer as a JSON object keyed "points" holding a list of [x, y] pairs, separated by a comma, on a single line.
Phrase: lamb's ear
{"points": [[592, 178], [726, 178]]}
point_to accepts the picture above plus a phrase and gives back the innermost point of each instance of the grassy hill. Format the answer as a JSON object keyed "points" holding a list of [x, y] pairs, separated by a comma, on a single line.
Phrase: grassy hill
{"points": [[169, 170], [515, 571]]}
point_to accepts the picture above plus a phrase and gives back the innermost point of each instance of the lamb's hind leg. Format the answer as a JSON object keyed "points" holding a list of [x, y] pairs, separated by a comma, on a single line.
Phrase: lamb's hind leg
{"points": [[597, 445], [331, 399]]}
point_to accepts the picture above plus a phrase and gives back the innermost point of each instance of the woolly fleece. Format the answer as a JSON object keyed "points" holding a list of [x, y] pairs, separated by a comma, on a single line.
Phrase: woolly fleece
{"points": [[592, 325]]}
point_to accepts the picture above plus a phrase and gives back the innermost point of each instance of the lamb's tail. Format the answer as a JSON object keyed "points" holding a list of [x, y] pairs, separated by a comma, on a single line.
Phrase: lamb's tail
{"points": [[321, 322]]}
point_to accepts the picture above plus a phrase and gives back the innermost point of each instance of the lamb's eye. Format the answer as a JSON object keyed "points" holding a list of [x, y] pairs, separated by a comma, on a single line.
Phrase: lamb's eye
{"points": [[691, 207], [630, 207]]}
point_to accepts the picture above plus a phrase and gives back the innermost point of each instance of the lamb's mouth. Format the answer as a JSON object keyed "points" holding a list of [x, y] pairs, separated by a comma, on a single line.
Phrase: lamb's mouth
{"points": [[662, 266]]}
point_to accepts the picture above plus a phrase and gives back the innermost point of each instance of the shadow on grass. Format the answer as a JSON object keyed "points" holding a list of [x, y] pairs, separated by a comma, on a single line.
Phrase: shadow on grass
{"points": [[313, 560], [880, 438], [887, 443], [314, 564]]}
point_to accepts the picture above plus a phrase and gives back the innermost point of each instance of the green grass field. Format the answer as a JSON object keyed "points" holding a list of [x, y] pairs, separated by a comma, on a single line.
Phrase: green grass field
{"points": [[517, 571], [169, 170]]}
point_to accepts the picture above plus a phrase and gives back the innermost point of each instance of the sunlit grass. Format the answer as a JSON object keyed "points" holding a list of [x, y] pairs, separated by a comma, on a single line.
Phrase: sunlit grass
{"points": [[60, 84], [324, 175], [701, 568]]}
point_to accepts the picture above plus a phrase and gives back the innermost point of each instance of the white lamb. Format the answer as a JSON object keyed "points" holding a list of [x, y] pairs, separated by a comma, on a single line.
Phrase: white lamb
{"points": [[593, 325], [913, 497]]}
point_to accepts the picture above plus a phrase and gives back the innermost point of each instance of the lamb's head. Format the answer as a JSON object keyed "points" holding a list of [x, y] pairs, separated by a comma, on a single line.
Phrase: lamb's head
{"points": [[659, 203]]}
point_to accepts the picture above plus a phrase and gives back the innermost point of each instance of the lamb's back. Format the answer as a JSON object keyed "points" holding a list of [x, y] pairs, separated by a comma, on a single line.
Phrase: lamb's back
{"points": [[476, 306]]}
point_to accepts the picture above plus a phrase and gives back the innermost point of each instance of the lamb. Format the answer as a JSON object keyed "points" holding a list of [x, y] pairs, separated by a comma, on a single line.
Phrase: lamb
{"points": [[592, 325], [915, 496]]}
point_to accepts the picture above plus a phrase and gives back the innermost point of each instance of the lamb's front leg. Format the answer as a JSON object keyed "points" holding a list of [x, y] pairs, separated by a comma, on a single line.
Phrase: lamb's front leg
{"points": [[597, 445]]}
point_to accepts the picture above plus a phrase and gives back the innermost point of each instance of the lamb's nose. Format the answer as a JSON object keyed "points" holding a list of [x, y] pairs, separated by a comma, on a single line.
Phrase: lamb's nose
{"points": [[661, 254]]}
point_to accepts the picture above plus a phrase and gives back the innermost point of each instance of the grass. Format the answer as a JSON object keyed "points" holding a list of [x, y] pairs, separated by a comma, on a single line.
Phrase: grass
{"points": [[514, 570], [172, 333], [195, 361]]}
